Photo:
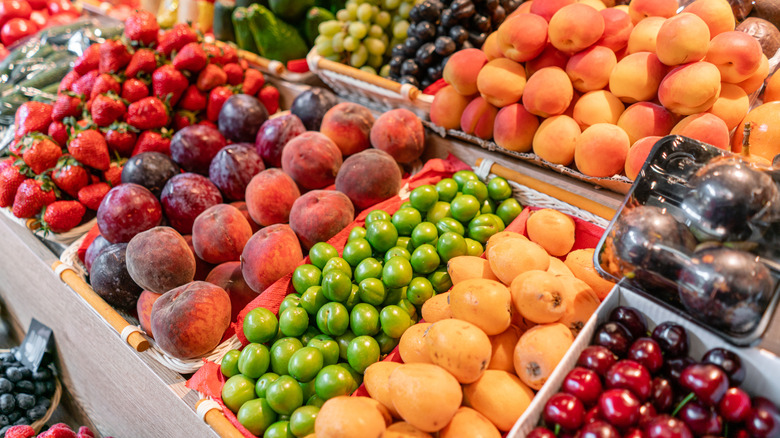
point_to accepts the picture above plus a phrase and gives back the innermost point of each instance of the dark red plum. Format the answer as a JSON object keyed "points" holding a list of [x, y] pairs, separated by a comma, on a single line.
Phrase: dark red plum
{"points": [[185, 196], [95, 248], [111, 280], [241, 117], [311, 106], [232, 169], [125, 211], [151, 170], [195, 146], [274, 134]]}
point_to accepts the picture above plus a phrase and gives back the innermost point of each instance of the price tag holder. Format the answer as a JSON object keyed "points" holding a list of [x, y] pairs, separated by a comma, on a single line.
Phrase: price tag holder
{"points": [[38, 341]]}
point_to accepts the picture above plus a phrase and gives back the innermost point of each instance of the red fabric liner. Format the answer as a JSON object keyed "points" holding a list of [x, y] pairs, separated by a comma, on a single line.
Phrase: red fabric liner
{"points": [[435, 87]]}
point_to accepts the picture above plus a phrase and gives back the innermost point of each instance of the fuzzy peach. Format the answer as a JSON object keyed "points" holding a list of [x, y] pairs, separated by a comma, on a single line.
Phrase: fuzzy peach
{"points": [[705, 127], [269, 255], [521, 38], [159, 259], [462, 69], [556, 138], [575, 27], [716, 13], [589, 70], [369, 177], [678, 95], [601, 150], [642, 9], [400, 133], [550, 57], [737, 55], [595, 4], [638, 154], [313, 159], [644, 35], [220, 233], [478, 118], [597, 107], [270, 196], [514, 128], [319, 215], [645, 119], [637, 77], [548, 92], [682, 39], [548, 8], [348, 124], [501, 82], [144, 308], [228, 276], [447, 107], [617, 29], [732, 105]]}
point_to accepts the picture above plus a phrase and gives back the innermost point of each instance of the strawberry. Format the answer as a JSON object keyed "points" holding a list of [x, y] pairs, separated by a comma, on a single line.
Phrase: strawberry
{"points": [[229, 54], [213, 53], [147, 113], [105, 83], [142, 27], [93, 194], [89, 147], [85, 432], [15, 148], [66, 105], [40, 152], [59, 133], [270, 97], [183, 119], [234, 72], [193, 99], [68, 81], [32, 196], [166, 80], [107, 109], [32, 117], [59, 430], [121, 138], [61, 216], [113, 56], [208, 123], [20, 432], [253, 81], [90, 60], [134, 90], [84, 84], [70, 176], [179, 36], [10, 180], [113, 176], [142, 62], [210, 77], [190, 58], [217, 98], [7, 162], [153, 141]]}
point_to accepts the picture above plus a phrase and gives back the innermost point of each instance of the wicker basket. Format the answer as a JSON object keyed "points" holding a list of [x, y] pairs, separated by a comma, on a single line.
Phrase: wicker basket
{"points": [[65, 238], [38, 424]]}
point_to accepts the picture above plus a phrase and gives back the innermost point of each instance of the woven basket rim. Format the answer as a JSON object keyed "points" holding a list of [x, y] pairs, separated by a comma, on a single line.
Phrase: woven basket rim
{"points": [[38, 424]]}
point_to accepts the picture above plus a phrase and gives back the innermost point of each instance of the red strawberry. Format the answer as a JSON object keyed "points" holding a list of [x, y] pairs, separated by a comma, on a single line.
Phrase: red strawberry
{"points": [[142, 27], [66, 106], [142, 62], [15, 147], [121, 138], [234, 72], [105, 83], [166, 80], [193, 99], [134, 90], [179, 36], [107, 110], [85, 432], [208, 123], [59, 430], [270, 97], [113, 56], [183, 119], [7, 162], [90, 60], [85, 123], [213, 52], [191, 58], [217, 98], [147, 113], [10, 180], [153, 141], [32, 117], [59, 133], [93, 194], [40, 153], [253, 81], [84, 84], [32, 196], [89, 147], [61, 216], [68, 81], [20, 432], [70, 176], [229, 54], [210, 77], [113, 176]]}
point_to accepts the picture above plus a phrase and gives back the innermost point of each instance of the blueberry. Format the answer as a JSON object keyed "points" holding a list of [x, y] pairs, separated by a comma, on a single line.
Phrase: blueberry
{"points": [[7, 357], [26, 373], [25, 386], [50, 387], [22, 421], [40, 388], [4, 430], [5, 385], [44, 403], [4, 421], [36, 413], [13, 416], [7, 403], [14, 374], [25, 401]]}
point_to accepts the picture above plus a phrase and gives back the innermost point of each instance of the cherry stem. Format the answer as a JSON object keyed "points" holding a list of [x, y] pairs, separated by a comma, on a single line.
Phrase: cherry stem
{"points": [[746, 139], [684, 402], [725, 429], [557, 429]]}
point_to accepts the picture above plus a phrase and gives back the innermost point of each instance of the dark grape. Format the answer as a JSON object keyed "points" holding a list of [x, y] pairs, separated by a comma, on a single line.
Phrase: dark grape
{"points": [[467, 45], [459, 34], [444, 45], [424, 56], [395, 62], [491, 5], [497, 16], [478, 39], [462, 9], [410, 68], [480, 23], [425, 83], [429, 11], [411, 80], [410, 46], [398, 50], [448, 18], [425, 31], [435, 72]]}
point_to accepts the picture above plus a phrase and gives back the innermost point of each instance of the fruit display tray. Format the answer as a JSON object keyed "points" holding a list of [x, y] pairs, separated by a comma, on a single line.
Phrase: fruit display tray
{"points": [[662, 183], [758, 363]]}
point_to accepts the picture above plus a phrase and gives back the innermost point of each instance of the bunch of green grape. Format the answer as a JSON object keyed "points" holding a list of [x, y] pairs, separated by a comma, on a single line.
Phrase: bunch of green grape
{"points": [[364, 33]]}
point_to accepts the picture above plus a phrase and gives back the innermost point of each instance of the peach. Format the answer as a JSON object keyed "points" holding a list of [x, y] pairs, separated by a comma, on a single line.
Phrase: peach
{"points": [[705, 127], [548, 92], [765, 132], [312, 159], [644, 119], [617, 29], [772, 90], [478, 118], [550, 57], [501, 82], [220, 233], [732, 105], [269, 255], [189, 321], [159, 259], [679, 97], [144, 309], [589, 70], [515, 128], [400, 133], [548, 8], [228, 276], [202, 268], [524, 8], [637, 77], [555, 139], [737, 55], [682, 39], [644, 35], [756, 80], [270, 196], [642, 9], [638, 154], [369, 177], [348, 125], [601, 150], [597, 107], [447, 107], [716, 13], [241, 206], [492, 47], [575, 27], [462, 69], [520, 38], [319, 215]]}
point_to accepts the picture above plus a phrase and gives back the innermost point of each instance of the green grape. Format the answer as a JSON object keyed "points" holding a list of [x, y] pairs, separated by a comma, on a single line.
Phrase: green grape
{"points": [[383, 19], [385, 40], [368, 69], [390, 5], [385, 71], [375, 31], [364, 13], [338, 42], [359, 57], [351, 43], [357, 30], [329, 28], [375, 61], [404, 10], [352, 8], [375, 10], [343, 16], [375, 46], [324, 46], [400, 29], [334, 57]]}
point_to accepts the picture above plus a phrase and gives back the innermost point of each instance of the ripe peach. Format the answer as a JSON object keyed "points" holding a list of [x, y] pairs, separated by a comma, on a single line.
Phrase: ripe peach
{"points": [[637, 155], [705, 127], [644, 35], [732, 105], [478, 118], [521, 37], [601, 150], [756, 80], [159, 259], [269, 255], [641, 9], [575, 27], [202, 268], [241, 206], [313, 159], [765, 132], [462, 69], [144, 308], [514, 128], [772, 91], [501, 82], [348, 125], [447, 107], [369, 177], [555, 139], [550, 57], [548, 92], [737, 55], [220, 233], [597, 107], [679, 97], [716, 13], [682, 39], [400, 133], [270, 196], [319, 215], [644, 119], [228, 276], [637, 77], [589, 69], [617, 29], [548, 8]]}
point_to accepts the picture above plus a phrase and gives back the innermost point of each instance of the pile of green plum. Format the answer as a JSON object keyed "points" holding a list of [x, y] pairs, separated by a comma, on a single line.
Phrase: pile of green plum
{"points": [[349, 311]]}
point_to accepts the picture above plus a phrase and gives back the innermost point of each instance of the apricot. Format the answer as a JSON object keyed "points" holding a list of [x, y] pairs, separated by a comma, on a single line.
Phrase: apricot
{"points": [[400, 133], [538, 352], [756, 80], [412, 346], [312, 159], [348, 125], [597, 107], [679, 97], [548, 92], [617, 29], [159, 260], [682, 39], [575, 27], [478, 119], [220, 233], [552, 230], [484, 303], [369, 177], [522, 37], [581, 264], [511, 257], [638, 154], [772, 90], [737, 55], [269, 255], [500, 396], [555, 139], [462, 268], [492, 47], [732, 105], [637, 77], [462, 70], [447, 107], [601, 150], [547, 8], [642, 9], [646, 119], [514, 128], [228, 276], [580, 303], [537, 296], [550, 57], [717, 14], [437, 308], [765, 135], [501, 82], [319, 215], [644, 35], [590, 69], [270, 196], [144, 308]]}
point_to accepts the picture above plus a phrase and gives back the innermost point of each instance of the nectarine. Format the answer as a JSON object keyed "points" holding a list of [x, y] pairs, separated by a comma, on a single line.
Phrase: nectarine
{"points": [[601, 150]]}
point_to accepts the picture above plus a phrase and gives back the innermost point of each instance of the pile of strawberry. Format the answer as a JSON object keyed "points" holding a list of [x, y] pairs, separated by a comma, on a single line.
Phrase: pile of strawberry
{"points": [[59, 430], [123, 97]]}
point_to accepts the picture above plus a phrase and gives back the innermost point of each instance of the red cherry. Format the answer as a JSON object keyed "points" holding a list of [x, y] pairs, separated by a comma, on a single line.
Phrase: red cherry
{"points": [[598, 429], [672, 338], [620, 407], [633, 433], [700, 419], [614, 336], [593, 414], [630, 375], [597, 358], [647, 352], [729, 361], [674, 367], [662, 394], [541, 432], [584, 384], [735, 406], [708, 382], [646, 413], [564, 410], [631, 318], [665, 426], [764, 419]]}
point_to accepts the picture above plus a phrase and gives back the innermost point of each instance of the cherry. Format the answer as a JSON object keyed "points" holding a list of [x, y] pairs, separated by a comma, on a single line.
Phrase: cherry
{"points": [[764, 419], [564, 410], [631, 319], [729, 361], [742, 433], [700, 419], [647, 352], [584, 384], [620, 407], [541, 432], [662, 394], [672, 338], [673, 368], [707, 381], [646, 413], [614, 336], [630, 375], [598, 429], [593, 414], [597, 358], [665, 426], [633, 433], [735, 405]]}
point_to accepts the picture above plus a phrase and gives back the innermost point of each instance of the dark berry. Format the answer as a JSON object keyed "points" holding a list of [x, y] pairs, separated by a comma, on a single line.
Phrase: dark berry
{"points": [[435, 72], [13, 374], [44, 402], [410, 46], [40, 388], [425, 31], [7, 404], [13, 416], [674, 367], [448, 18], [398, 50], [424, 56], [477, 39], [36, 413], [631, 319], [480, 23], [497, 16], [411, 80], [41, 374], [614, 336], [22, 421], [459, 34], [396, 61], [462, 9], [25, 401], [491, 5], [4, 421], [429, 11], [444, 45], [5, 385], [410, 68], [728, 361], [26, 373], [25, 386]]}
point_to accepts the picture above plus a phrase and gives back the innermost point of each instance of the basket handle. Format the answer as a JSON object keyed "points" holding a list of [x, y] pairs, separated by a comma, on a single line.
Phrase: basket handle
{"points": [[274, 67], [378, 81], [135, 339], [213, 417]]}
